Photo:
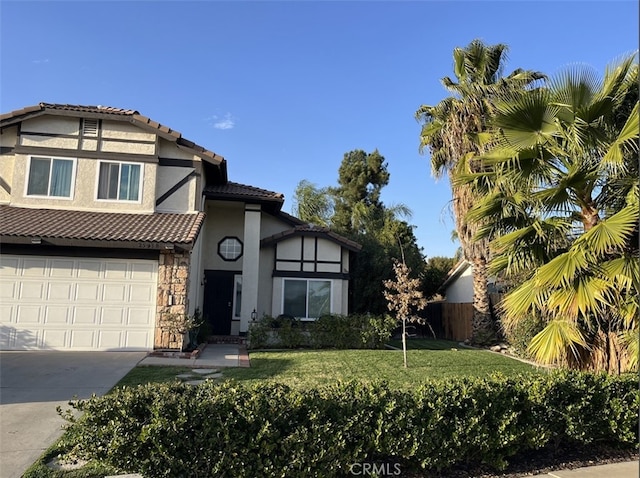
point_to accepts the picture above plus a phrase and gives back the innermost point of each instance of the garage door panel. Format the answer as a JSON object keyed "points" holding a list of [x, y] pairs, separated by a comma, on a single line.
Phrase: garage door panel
{"points": [[114, 293], [142, 293], [27, 339], [60, 291], [88, 291], [89, 269], [56, 315], [140, 316], [28, 314], [32, 290], [115, 270], [142, 272], [83, 339], [110, 339], [62, 268], [34, 268], [9, 266], [56, 339], [133, 337], [85, 315], [77, 303], [8, 290], [112, 316]]}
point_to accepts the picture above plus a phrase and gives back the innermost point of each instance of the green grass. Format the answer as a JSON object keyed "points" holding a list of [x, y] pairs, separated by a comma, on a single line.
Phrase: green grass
{"points": [[435, 360]]}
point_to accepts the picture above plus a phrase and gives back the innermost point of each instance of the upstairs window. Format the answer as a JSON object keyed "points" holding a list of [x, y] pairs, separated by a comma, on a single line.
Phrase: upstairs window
{"points": [[50, 177], [119, 181]]}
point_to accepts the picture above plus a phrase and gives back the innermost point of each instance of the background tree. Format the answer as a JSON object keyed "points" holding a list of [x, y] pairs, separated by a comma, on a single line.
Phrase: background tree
{"points": [[359, 214], [435, 273], [562, 171], [361, 177], [313, 204], [449, 130]]}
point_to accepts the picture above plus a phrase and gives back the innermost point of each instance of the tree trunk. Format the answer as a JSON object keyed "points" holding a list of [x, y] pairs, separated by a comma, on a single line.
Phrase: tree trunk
{"points": [[404, 341], [483, 330]]}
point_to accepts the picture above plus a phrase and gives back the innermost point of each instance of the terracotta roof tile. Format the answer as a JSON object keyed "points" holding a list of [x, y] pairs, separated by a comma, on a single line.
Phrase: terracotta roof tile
{"points": [[241, 191], [179, 229]]}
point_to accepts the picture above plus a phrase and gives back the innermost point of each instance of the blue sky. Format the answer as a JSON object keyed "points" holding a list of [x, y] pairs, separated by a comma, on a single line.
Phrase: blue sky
{"points": [[283, 89]]}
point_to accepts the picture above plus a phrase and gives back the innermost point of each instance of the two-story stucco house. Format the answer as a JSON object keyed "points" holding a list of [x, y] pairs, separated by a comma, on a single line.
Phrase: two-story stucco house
{"points": [[109, 220]]}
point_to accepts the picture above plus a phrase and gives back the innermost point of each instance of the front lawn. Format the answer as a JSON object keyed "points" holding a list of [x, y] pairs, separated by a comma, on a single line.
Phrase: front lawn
{"points": [[307, 368]]}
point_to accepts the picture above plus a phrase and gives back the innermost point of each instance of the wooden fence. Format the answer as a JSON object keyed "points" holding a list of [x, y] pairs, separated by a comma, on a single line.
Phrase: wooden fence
{"points": [[453, 321], [456, 321]]}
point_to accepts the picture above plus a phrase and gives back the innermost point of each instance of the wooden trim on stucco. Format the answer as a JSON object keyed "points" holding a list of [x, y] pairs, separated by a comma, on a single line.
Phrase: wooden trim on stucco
{"points": [[85, 154]]}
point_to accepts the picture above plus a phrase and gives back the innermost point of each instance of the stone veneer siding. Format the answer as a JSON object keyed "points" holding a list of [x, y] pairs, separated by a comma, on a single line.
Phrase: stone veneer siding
{"points": [[173, 285]]}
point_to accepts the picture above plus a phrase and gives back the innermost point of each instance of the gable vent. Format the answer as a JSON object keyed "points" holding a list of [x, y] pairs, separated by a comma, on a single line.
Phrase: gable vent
{"points": [[89, 127]]}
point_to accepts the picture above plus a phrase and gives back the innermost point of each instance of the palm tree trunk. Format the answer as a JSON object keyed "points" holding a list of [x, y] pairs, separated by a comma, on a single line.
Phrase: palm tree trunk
{"points": [[483, 330]]}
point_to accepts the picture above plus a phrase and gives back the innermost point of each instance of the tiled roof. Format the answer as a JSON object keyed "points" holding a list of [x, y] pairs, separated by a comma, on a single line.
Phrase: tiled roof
{"points": [[104, 227], [312, 230], [107, 111], [232, 190]]}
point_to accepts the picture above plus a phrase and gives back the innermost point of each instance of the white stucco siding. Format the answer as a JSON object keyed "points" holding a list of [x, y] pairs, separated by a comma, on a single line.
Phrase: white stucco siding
{"points": [[6, 175], [461, 290], [224, 219], [167, 149], [289, 249], [265, 286], [271, 225], [328, 251], [52, 125], [125, 131], [182, 200]]}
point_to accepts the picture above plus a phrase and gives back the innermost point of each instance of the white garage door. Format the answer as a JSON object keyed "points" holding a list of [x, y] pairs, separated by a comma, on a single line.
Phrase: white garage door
{"points": [[72, 303]]}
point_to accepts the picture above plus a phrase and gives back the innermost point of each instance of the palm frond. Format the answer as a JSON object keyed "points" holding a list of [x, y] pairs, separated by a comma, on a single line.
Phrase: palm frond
{"points": [[552, 344]]}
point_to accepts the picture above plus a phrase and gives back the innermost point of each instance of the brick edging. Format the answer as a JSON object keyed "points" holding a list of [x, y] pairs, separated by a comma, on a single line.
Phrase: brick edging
{"points": [[243, 357]]}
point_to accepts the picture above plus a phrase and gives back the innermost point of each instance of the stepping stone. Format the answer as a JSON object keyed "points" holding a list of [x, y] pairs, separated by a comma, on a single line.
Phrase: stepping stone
{"points": [[194, 382], [213, 375], [184, 376], [205, 371]]}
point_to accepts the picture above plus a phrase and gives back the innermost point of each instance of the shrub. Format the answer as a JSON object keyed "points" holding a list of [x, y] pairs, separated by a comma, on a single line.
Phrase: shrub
{"points": [[520, 333], [274, 430], [329, 331]]}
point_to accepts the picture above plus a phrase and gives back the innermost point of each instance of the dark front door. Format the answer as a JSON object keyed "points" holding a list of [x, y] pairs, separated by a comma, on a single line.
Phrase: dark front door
{"points": [[218, 300]]}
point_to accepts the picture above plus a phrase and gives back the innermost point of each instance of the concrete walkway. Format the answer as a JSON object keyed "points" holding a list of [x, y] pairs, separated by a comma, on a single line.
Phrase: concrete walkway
{"points": [[213, 355], [34, 383], [625, 469]]}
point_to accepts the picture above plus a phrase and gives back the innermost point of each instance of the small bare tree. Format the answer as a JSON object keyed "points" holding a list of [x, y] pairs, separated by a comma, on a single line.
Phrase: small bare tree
{"points": [[404, 297]]}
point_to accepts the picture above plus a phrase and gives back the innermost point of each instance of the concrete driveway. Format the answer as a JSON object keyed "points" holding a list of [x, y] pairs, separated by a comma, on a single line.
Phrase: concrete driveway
{"points": [[33, 384]]}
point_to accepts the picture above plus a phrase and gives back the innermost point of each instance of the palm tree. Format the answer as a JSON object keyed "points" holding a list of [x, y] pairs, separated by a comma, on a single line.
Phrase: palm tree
{"points": [[562, 199], [450, 131]]}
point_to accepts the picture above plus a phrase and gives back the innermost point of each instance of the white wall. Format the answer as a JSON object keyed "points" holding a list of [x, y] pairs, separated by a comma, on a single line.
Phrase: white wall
{"points": [[461, 289]]}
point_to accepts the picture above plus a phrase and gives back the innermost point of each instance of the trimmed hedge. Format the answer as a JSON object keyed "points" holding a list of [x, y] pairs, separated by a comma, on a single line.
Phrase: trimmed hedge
{"points": [[226, 429], [355, 331]]}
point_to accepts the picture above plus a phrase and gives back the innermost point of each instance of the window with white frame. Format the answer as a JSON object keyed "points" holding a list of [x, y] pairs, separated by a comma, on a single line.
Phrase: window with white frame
{"points": [[307, 299], [119, 181], [50, 177]]}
